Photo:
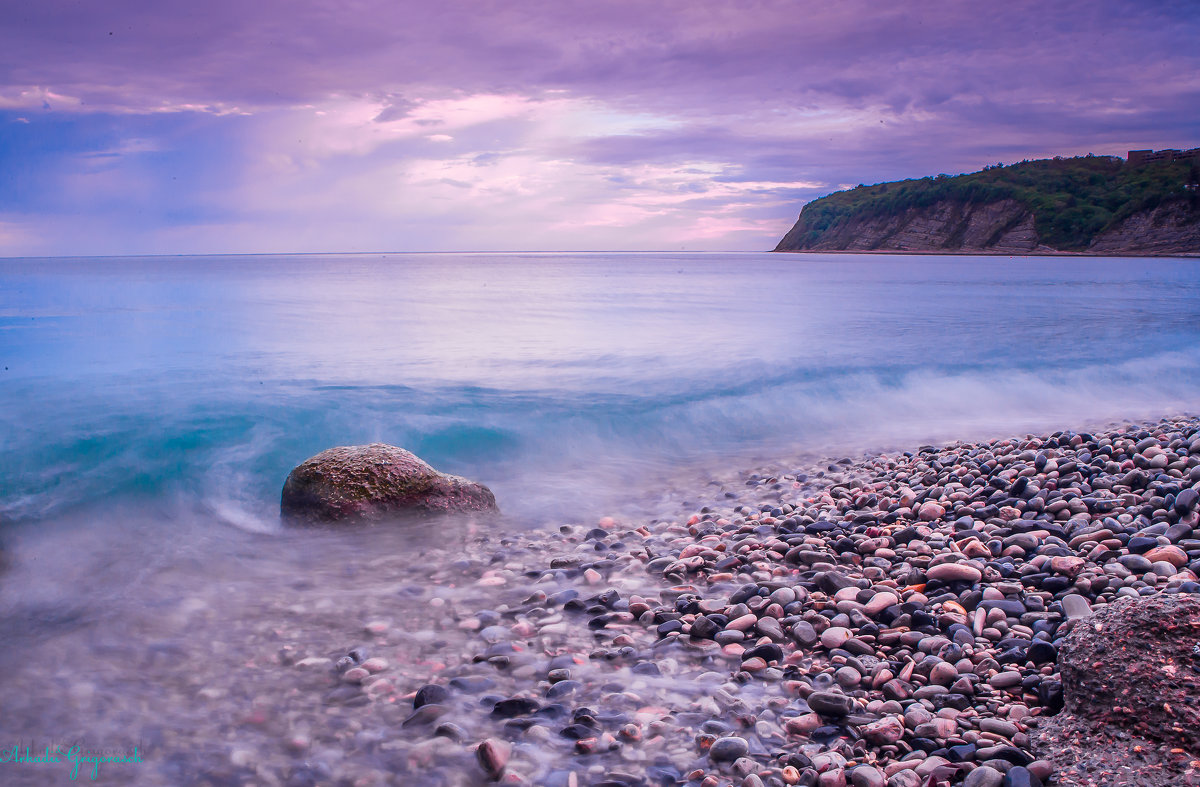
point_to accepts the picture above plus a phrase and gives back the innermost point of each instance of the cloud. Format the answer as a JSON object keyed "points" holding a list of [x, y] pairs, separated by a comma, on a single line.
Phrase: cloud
{"points": [[320, 126], [676, 56]]}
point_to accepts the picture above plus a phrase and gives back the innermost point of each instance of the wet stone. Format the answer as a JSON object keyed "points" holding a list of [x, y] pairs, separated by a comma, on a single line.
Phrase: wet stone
{"points": [[830, 703], [561, 689], [1135, 563], [1187, 501], [474, 684], [1140, 545], [954, 572], [426, 714], [770, 627], [1004, 680], [516, 706], [906, 778], [767, 652], [704, 627], [492, 756], [984, 776], [430, 694], [1042, 652], [728, 749], [835, 636], [804, 634], [1020, 777]]}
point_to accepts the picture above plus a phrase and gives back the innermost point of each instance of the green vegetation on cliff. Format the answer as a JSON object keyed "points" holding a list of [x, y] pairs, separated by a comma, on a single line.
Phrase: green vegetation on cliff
{"points": [[1072, 199]]}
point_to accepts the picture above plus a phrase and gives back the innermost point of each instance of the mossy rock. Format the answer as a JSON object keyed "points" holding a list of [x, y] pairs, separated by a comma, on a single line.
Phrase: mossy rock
{"points": [[374, 483]]}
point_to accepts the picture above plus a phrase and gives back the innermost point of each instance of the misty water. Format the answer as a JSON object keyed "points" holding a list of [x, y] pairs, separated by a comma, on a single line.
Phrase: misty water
{"points": [[150, 409]]}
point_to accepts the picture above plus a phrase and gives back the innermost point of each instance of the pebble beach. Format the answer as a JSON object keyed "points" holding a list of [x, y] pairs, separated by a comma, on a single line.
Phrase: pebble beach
{"points": [[892, 620]]}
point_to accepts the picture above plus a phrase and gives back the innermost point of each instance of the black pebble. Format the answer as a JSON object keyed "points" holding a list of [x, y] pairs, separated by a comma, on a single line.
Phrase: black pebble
{"points": [[430, 695], [516, 706]]}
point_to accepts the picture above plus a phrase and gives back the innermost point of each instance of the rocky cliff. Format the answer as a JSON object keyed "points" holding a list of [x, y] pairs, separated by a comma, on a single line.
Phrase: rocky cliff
{"points": [[1167, 229], [1003, 227], [1085, 205]]}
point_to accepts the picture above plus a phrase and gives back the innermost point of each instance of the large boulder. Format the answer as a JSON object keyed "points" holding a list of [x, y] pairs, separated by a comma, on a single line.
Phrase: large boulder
{"points": [[1133, 665], [369, 483], [1131, 685]]}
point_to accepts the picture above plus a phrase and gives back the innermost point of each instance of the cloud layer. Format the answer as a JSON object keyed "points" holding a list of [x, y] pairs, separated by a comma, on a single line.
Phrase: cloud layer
{"points": [[150, 127]]}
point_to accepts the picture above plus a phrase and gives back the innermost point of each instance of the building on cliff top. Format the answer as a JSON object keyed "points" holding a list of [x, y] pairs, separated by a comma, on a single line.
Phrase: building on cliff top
{"points": [[1139, 157]]}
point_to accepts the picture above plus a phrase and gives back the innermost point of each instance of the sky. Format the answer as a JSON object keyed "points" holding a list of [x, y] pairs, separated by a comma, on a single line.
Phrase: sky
{"points": [[165, 127]]}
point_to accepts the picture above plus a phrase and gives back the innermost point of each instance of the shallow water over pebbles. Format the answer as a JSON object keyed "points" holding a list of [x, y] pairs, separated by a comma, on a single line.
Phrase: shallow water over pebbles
{"points": [[466, 652], [218, 661]]}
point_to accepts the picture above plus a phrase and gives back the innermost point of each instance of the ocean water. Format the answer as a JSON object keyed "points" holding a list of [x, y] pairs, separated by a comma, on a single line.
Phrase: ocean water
{"points": [[150, 409], [189, 386]]}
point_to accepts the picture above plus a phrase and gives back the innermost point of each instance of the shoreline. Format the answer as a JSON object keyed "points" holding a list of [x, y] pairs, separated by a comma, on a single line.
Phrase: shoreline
{"points": [[889, 619]]}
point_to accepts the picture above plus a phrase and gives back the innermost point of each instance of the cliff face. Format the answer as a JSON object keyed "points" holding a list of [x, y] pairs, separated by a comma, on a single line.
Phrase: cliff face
{"points": [[1168, 229], [1003, 227]]}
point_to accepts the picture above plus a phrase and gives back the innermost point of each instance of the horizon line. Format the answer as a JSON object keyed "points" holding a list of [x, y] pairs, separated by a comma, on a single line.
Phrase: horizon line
{"points": [[374, 253]]}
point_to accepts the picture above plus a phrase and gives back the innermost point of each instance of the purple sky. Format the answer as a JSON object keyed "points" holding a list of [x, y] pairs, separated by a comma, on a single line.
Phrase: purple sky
{"points": [[155, 126]]}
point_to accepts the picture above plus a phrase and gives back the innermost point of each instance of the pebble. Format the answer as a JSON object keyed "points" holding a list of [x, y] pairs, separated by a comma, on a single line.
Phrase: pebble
{"points": [[355, 675], [905, 778], [431, 694], [829, 703], [931, 511], [374, 665], [867, 776], [803, 724], [1020, 777], [492, 756], [943, 674], [1076, 606], [835, 636], [885, 731], [314, 661], [1168, 554], [984, 776], [804, 634], [954, 572], [728, 749]]}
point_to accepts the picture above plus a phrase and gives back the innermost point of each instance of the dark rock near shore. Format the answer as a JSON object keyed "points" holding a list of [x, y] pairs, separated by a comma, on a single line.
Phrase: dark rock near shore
{"points": [[369, 483], [1133, 666]]}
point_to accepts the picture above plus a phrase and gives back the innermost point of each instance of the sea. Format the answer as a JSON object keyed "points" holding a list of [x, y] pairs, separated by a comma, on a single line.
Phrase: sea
{"points": [[151, 408], [189, 386]]}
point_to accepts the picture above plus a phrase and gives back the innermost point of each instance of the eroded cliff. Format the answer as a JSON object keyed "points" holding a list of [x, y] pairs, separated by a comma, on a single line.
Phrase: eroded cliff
{"points": [[1003, 227], [1087, 205], [1167, 230]]}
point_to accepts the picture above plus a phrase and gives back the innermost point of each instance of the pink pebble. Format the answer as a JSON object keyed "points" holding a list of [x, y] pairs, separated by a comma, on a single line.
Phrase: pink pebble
{"points": [[743, 623], [375, 665]]}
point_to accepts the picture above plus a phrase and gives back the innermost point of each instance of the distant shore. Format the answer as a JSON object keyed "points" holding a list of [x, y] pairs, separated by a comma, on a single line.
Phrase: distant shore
{"points": [[944, 253]]}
